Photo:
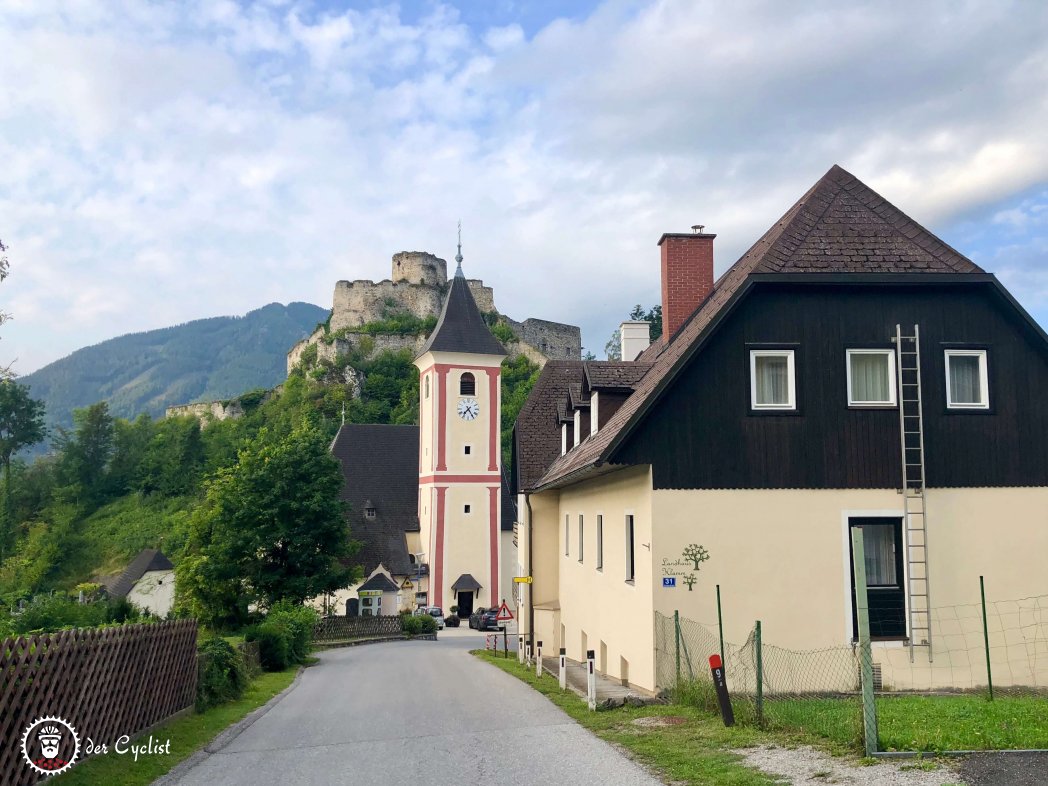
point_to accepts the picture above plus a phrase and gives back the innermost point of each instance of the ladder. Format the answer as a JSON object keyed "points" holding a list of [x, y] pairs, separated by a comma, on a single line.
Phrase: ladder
{"points": [[911, 433]]}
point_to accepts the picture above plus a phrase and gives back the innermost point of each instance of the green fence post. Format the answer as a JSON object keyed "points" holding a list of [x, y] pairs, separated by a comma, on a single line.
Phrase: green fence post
{"points": [[759, 658], [720, 627], [862, 609], [986, 636], [676, 641]]}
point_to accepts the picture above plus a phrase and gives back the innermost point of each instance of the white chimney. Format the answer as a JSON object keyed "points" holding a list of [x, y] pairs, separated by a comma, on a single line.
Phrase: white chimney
{"points": [[635, 337]]}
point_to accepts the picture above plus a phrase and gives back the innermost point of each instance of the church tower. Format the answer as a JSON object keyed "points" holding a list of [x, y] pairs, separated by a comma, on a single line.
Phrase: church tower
{"points": [[460, 466]]}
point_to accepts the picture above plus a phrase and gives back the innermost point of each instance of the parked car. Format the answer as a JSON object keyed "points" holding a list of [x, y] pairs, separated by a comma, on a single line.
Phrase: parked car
{"points": [[438, 614], [484, 619]]}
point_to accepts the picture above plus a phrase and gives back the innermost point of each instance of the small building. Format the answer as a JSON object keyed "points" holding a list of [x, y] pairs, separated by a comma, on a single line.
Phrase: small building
{"points": [[849, 371], [379, 596], [148, 582]]}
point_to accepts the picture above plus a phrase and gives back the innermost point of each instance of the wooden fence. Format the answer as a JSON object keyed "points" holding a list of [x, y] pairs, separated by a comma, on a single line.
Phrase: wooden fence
{"points": [[105, 682], [343, 628]]}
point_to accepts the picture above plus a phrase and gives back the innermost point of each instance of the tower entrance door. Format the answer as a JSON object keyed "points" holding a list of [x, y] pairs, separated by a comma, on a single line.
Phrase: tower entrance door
{"points": [[465, 603]]}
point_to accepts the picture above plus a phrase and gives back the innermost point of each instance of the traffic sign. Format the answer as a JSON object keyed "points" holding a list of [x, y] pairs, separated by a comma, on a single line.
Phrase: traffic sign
{"points": [[504, 615], [522, 579], [407, 584]]}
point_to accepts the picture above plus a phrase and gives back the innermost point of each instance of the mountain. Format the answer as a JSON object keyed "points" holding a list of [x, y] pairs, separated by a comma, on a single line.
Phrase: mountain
{"points": [[203, 360]]}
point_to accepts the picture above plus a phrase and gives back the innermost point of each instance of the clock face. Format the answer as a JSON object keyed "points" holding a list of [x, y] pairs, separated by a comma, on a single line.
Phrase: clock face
{"points": [[468, 409]]}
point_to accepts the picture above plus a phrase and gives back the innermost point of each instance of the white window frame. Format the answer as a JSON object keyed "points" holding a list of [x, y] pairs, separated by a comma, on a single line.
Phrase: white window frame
{"points": [[594, 424], [630, 538], [892, 375], [984, 378], [791, 378], [582, 537], [600, 542]]}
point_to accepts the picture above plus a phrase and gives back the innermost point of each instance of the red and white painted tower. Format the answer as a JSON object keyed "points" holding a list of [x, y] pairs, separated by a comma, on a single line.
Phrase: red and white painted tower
{"points": [[460, 465]]}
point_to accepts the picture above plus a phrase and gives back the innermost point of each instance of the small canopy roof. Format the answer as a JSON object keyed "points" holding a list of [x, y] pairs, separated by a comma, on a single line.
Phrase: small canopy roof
{"points": [[466, 583], [380, 581]]}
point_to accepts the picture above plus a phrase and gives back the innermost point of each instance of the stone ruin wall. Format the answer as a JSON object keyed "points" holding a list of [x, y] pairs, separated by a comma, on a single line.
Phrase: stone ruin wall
{"points": [[556, 341], [206, 411]]}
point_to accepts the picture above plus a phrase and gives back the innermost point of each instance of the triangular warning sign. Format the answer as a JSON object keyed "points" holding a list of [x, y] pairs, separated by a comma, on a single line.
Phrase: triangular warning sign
{"points": [[504, 614]]}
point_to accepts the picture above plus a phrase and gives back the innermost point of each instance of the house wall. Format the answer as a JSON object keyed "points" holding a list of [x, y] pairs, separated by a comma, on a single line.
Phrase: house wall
{"points": [[155, 591], [598, 606], [702, 434], [781, 556]]}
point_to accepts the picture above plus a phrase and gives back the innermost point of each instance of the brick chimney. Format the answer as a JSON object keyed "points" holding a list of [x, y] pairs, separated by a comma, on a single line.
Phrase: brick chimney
{"points": [[687, 276]]}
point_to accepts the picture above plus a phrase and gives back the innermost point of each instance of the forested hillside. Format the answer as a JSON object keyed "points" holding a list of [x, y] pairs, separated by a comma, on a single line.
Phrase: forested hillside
{"points": [[203, 360]]}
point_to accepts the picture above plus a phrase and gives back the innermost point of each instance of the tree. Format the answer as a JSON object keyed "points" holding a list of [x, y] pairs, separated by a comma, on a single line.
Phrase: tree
{"points": [[271, 527], [21, 425], [86, 452], [5, 371]]}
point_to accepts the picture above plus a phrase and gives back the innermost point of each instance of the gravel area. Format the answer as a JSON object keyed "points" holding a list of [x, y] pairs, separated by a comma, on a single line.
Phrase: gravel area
{"points": [[806, 766], [1005, 769]]}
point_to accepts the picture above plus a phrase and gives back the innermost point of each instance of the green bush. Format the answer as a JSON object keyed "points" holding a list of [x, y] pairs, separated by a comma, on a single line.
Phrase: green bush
{"points": [[223, 675], [300, 622], [48, 613], [419, 625], [274, 644]]}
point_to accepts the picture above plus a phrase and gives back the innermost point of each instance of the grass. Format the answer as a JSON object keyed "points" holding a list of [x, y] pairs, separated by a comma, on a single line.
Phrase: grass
{"points": [[694, 752], [923, 723], [187, 735]]}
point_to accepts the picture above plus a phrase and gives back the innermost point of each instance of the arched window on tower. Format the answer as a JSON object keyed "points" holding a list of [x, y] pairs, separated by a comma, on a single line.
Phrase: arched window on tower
{"points": [[427, 386], [467, 385]]}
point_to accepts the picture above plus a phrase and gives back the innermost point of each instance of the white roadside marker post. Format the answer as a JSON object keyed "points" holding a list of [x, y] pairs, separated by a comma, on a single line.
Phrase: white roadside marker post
{"points": [[538, 660], [563, 669], [527, 658], [520, 649], [591, 681]]}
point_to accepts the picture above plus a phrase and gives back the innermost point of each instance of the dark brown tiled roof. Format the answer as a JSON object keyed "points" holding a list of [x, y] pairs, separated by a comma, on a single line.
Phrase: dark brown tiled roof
{"points": [[465, 583], [614, 374], [380, 581], [576, 398], [461, 328], [380, 465], [536, 432], [147, 560], [839, 226]]}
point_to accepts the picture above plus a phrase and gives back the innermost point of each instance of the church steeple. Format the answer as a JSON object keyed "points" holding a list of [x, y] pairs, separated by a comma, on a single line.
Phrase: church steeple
{"points": [[461, 326]]}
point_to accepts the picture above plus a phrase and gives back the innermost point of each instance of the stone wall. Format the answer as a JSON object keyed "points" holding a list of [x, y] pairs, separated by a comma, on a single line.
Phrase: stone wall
{"points": [[206, 411], [555, 340]]}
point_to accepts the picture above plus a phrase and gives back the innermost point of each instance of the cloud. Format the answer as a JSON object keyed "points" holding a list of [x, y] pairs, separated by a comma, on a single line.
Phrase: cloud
{"points": [[163, 164]]}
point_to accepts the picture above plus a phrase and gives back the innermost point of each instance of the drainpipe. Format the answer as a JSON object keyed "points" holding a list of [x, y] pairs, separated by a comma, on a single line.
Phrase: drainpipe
{"points": [[531, 572]]}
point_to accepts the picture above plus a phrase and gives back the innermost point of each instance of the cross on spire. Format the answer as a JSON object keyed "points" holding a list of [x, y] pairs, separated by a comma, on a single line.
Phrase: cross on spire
{"points": [[458, 256]]}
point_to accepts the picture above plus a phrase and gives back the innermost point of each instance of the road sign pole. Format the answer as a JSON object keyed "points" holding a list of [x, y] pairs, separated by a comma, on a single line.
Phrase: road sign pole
{"points": [[591, 681], [563, 669], [538, 660]]}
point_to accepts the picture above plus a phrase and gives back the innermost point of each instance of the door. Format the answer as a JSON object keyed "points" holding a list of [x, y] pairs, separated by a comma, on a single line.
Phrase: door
{"points": [[465, 603], [885, 591]]}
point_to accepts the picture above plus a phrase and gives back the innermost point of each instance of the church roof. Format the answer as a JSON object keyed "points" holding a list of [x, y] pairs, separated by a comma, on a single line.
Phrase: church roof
{"points": [[461, 327], [840, 226], [380, 469]]}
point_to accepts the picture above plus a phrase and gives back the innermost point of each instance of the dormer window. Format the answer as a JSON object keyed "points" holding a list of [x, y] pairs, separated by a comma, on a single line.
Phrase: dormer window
{"points": [[467, 385], [369, 510], [594, 419]]}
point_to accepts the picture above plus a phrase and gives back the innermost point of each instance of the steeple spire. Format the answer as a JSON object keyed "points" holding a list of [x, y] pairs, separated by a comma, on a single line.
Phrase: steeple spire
{"points": [[458, 256]]}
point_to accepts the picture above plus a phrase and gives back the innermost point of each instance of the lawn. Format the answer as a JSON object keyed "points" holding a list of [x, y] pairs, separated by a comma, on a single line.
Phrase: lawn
{"points": [[187, 734], [695, 752], [922, 723]]}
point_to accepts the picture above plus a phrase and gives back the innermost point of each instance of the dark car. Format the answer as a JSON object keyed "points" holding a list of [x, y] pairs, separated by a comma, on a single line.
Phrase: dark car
{"points": [[484, 619]]}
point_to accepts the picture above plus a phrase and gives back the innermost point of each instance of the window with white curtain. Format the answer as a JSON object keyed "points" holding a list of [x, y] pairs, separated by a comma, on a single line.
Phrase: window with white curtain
{"points": [[772, 379], [878, 545], [871, 377], [966, 379]]}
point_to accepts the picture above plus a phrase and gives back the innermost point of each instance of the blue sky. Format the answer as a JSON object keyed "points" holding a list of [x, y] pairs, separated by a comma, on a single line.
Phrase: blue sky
{"points": [[166, 162]]}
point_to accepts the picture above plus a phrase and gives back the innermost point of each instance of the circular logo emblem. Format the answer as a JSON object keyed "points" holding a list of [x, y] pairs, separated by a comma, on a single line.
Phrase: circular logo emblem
{"points": [[50, 745]]}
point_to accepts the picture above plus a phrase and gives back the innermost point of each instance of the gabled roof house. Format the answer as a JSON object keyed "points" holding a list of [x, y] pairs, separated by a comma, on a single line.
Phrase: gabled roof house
{"points": [[850, 370]]}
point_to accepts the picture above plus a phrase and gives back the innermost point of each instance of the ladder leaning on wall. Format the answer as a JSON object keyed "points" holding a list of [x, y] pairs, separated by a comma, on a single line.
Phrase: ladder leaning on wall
{"points": [[915, 521]]}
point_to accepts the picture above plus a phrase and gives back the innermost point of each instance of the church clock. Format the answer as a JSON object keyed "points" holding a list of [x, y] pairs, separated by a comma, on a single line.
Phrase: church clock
{"points": [[468, 409]]}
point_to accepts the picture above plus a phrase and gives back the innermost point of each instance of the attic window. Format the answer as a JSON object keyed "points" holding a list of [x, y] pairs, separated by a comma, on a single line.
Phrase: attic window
{"points": [[467, 385], [369, 510], [772, 381], [966, 379]]}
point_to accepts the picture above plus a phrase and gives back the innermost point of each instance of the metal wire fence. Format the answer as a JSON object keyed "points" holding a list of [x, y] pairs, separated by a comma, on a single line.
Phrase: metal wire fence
{"points": [[1000, 655]]}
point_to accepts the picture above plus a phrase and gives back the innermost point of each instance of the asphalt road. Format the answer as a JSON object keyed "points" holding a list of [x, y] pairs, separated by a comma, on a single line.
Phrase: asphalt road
{"points": [[415, 713]]}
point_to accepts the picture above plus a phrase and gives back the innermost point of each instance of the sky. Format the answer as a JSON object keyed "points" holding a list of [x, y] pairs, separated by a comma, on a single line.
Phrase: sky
{"points": [[163, 162]]}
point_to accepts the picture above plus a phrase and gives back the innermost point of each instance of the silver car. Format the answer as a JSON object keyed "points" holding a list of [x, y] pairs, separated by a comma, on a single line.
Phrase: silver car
{"points": [[438, 614]]}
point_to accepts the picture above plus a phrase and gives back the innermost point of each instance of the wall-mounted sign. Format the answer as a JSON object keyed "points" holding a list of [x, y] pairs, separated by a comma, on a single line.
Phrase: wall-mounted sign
{"points": [[669, 581], [407, 584], [370, 593], [522, 579]]}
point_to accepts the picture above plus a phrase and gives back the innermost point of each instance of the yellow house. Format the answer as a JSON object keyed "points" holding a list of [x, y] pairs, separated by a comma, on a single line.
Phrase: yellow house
{"points": [[851, 370]]}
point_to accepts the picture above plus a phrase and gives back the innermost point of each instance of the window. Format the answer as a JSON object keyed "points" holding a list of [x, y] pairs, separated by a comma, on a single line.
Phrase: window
{"points": [[566, 534], [467, 385], [871, 377], [427, 385], [466, 449], [966, 379], [465, 508], [582, 529], [631, 557], [594, 419], [600, 542], [772, 380]]}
